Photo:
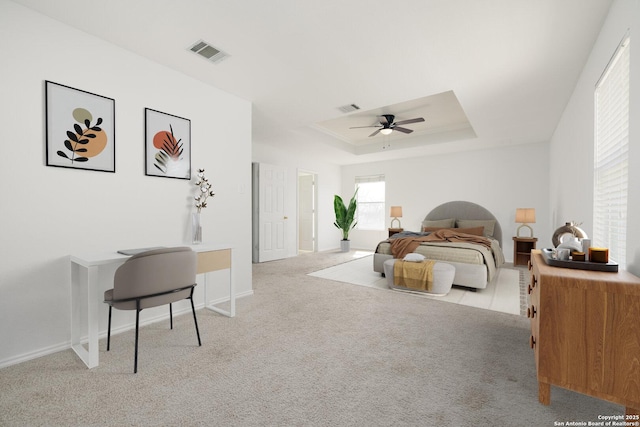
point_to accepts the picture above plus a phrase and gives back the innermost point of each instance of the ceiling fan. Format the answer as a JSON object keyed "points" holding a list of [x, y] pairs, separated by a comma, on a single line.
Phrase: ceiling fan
{"points": [[387, 125]]}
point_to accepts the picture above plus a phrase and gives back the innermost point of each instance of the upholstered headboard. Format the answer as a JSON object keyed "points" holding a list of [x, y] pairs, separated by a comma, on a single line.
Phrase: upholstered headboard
{"points": [[465, 210]]}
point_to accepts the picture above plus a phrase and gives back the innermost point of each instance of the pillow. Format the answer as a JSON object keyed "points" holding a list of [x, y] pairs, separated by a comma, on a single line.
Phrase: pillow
{"points": [[440, 223], [414, 257], [476, 231], [488, 224], [436, 228]]}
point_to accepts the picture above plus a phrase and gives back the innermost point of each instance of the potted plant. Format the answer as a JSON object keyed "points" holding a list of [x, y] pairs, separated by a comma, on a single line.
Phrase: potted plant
{"points": [[345, 218]]}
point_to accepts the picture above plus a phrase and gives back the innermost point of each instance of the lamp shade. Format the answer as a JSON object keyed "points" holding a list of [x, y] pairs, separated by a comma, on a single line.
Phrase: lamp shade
{"points": [[386, 131], [525, 215], [396, 211]]}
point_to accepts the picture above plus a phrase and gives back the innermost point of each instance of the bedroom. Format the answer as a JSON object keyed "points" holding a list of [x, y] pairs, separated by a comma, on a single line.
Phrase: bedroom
{"points": [[544, 173]]}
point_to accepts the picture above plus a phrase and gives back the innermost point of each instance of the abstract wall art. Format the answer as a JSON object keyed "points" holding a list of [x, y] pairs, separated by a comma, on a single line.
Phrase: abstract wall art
{"points": [[80, 129], [167, 145]]}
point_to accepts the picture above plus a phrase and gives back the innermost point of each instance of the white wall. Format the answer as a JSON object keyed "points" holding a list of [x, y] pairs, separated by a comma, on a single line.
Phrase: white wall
{"points": [[48, 213], [571, 148], [500, 179], [328, 184]]}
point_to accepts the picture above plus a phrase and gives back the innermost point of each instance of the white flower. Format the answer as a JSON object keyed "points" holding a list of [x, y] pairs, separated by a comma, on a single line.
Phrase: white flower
{"points": [[205, 187]]}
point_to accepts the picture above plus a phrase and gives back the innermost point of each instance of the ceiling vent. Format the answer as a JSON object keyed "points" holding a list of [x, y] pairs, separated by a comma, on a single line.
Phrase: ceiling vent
{"points": [[348, 108], [207, 51]]}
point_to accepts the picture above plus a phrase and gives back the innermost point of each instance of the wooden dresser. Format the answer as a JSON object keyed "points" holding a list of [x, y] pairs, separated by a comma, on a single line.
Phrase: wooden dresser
{"points": [[585, 332]]}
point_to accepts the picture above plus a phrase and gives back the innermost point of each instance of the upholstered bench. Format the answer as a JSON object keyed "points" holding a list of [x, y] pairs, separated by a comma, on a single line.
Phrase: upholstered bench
{"points": [[443, 274]]}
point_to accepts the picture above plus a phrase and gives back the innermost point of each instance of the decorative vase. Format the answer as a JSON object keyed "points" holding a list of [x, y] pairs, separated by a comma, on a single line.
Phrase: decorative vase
{"points": [[345, 245], [196, 228], [568, 229]]}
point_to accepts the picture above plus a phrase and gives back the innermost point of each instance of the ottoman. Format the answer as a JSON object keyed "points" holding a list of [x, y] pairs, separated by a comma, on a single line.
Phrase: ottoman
{"points": [[443, 274]]}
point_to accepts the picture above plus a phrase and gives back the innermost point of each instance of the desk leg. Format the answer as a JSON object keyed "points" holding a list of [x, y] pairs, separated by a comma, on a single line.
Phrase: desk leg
{"points": [[232, 294], [232, 309], [85, 278], [232, 288]]}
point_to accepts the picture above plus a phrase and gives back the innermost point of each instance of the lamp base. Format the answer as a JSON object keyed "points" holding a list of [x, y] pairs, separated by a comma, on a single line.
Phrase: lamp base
{"points": [[524, 225], [395, 219]]}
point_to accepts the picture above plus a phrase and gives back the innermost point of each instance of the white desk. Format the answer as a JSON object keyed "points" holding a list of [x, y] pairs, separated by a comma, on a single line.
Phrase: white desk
{"points": [[86, 275]]}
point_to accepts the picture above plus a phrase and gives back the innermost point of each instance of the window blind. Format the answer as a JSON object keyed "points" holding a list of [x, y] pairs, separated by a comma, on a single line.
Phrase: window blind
{"points": [[611, 156]]}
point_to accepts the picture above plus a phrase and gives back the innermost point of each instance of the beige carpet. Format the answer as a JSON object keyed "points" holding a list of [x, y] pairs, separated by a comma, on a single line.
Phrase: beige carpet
{"points": [[303, 351], [501, 294]]}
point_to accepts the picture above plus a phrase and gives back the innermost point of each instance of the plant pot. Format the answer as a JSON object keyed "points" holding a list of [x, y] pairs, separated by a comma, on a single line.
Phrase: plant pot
{"points": [[345, 245]]}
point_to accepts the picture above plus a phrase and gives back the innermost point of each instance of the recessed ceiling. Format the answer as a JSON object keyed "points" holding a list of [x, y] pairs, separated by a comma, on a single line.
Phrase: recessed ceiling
{"points": [[512, 64], [444, 120]]}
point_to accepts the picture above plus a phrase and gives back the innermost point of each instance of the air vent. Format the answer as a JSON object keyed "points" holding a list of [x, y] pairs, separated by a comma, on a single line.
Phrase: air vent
{"points": [[348, 108], [207, 51]]}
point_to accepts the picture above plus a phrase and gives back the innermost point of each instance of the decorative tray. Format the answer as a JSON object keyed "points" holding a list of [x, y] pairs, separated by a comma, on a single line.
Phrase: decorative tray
{"points": [[578, 265]]}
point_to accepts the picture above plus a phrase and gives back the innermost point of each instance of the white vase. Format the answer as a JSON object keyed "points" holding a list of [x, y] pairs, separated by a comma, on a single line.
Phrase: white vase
{"points": [[196, 228], [345, 245]]}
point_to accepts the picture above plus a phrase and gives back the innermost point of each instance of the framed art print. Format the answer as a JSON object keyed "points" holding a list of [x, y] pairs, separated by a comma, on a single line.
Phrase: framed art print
{"points": [[167, 145], [80, 129]]}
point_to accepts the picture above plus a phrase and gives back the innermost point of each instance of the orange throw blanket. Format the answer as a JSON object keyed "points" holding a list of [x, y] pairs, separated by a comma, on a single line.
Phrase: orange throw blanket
{"points": [[406, 245], [414, 275]]}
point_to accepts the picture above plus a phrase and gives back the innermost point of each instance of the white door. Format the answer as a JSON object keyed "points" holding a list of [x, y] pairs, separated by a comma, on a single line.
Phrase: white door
{"points": [[306, 212], [272, 219]]}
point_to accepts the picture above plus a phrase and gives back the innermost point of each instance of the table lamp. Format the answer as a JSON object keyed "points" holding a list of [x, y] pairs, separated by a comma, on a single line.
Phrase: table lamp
{"points": [[396, 212], [525, 216]]}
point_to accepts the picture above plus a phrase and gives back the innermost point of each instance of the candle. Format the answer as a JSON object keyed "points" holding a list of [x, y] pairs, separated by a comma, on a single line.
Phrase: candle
{"points": [[599, 254]]}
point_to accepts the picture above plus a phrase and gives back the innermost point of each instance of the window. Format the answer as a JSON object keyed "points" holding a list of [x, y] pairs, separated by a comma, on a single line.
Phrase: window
{"points": [[611, 156], [370, 211]]}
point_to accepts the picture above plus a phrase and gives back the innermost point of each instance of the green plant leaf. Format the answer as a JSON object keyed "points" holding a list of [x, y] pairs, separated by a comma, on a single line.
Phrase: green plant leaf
{"points": [[345, 217]]}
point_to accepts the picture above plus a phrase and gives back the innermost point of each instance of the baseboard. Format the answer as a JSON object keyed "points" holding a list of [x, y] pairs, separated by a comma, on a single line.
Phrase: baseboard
{"points": [[45, 351], [25, 357]]}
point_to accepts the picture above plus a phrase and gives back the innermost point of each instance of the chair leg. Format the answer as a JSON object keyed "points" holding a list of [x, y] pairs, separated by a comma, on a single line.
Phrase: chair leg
{"points": [[135, 359], [109, 330], [171, 315], [195, 320]]}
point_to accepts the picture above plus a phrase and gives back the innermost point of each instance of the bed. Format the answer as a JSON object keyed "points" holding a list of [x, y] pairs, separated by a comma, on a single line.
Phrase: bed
{"points": [[476, 264]]}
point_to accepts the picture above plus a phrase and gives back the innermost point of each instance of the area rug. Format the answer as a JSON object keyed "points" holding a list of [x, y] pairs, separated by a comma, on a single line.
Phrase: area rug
{"points": [[501, 294]]}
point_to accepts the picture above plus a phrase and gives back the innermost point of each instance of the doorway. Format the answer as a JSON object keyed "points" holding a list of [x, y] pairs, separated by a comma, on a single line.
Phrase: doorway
{"points": [[307, 218]]}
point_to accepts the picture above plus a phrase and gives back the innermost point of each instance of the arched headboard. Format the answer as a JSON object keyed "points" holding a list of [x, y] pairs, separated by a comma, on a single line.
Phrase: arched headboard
{"points": [[465, 210]]}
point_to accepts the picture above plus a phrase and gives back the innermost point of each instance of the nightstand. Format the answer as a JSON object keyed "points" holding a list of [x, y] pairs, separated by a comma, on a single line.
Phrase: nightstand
{"points": [[522, 247], [393, 231]]}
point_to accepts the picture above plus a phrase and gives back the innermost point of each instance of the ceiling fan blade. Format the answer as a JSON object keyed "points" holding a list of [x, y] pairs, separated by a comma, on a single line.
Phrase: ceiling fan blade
{"points": [[361, 127], [403, 130], [406, 122], [375, 133]]}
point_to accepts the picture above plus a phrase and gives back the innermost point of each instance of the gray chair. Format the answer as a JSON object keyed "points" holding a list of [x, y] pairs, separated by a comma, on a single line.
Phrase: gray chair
{"points": [[150, 279]]}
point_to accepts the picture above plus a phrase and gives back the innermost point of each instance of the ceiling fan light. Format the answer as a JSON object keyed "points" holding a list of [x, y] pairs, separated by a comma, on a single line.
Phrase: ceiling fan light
{"points": [[386, 131]]}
